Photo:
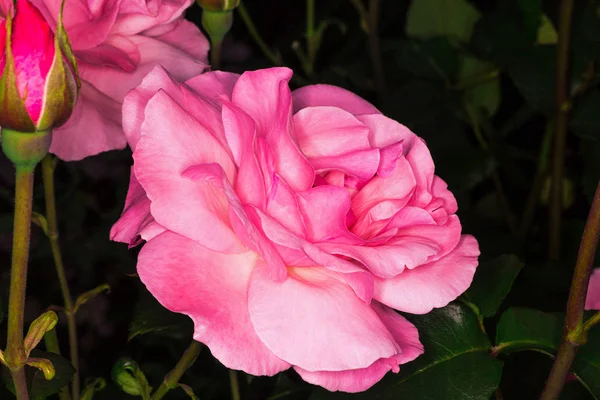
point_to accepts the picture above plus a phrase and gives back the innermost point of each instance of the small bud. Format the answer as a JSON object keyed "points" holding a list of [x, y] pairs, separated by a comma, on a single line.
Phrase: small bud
{"points": [[129, 377], [218, 5], [43, 365], [38, 328], [217, 24], [39, 84]]}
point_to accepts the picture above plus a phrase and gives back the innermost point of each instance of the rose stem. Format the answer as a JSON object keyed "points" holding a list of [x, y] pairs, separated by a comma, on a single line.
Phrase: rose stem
{"points": [[574, 335], [560, 138], [15, 353], [48, 166], [170, 381]]}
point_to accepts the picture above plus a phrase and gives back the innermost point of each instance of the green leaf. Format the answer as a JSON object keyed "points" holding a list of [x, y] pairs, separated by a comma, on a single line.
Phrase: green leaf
{"points": [[64, 371], [482, 96], [150, 316], [456, 363], [129, 377], [90, 294], [430, 18], [492, 283], [431, 59], [527, 329], [546, 33]]}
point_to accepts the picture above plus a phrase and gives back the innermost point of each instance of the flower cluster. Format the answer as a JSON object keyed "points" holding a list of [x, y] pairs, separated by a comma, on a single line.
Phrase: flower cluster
{"points": [[289, 225]]}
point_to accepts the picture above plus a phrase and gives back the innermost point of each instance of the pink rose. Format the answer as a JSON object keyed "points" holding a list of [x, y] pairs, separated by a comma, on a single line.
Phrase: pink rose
{"points": [[116, 43], [288, 226], [592, 301]]}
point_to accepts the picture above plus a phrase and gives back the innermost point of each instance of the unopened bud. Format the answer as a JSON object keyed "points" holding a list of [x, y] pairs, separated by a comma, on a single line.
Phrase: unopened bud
{"points": [[218, 5]]}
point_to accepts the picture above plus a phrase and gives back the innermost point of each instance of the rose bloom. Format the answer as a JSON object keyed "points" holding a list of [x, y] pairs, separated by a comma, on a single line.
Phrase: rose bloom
{"points": [[289, 226], [592, 301], [116, 43]]}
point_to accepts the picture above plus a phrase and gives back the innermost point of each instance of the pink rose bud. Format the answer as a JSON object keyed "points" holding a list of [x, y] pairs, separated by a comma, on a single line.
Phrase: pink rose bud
{"points": [[39, 84]]}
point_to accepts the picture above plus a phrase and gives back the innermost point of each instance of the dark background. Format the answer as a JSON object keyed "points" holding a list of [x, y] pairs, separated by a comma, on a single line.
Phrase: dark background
{"points": [[428, 88]]}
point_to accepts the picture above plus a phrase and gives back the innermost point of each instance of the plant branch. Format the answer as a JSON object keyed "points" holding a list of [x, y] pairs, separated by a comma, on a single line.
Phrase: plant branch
{"points": [[267, 52], [170, 381], [15, 352], [48, 166], [235, 387], [574, 335], [560, 138]]}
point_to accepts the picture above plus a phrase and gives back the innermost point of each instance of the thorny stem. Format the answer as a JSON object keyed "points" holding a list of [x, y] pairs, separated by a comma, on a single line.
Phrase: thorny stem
{"points": [[574, 335], [560, 139]]}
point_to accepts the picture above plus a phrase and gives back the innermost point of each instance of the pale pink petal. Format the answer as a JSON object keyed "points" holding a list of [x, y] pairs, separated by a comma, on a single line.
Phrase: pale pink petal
{"points": [[136, 214], [313, 321], [328, 95], [138, 15], [266, 97], [178, 203], [88, 23], [358, 380], [329, 131], [399, 186], [325, 211], [94, 127], [592, 301], [385, 131], [211, 288], [116, 82], [432, 285], [134, 104]]}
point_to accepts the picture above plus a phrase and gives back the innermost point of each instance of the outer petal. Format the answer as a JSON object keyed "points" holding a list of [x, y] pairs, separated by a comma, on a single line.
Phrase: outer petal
{"points": [[358, 380], [432, 285], [211, 288], [134, 104], [172, 141], [315, 320], [88, 23], [150, 51], [136, 214], [265, 96], [138, 15], [94, 127], [328, 95], [592, 302]]}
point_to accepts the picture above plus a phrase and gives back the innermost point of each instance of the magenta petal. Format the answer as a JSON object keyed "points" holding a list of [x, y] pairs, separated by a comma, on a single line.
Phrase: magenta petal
{"points": [[328, 95], [33, 50], [211, 288], [592, 301], [266, 97], [313, 323], [385, 131], [432, 285], [403, 331]]}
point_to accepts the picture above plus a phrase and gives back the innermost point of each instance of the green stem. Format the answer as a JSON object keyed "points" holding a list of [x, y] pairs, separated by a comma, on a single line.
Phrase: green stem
{"points": [[235, 387], [48, 165], [310, 36], [215, 53], [275, 59], [185, 362], [593, 320], [573, 332], [51, 342], [15, 353], [560, 139], [374, 48]]}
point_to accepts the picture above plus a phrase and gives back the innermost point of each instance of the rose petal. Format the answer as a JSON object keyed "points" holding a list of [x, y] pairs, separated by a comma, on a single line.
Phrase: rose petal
{"points": [[432, 285], [328, 95], [320, 312], [592, 301], [211, 288]]}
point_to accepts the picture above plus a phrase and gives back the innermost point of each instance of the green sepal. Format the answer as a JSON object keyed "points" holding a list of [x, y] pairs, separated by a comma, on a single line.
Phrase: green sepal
{"points": [[43, 365], [218, 5], [62, 83], [217, 23], [13, 114]]}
